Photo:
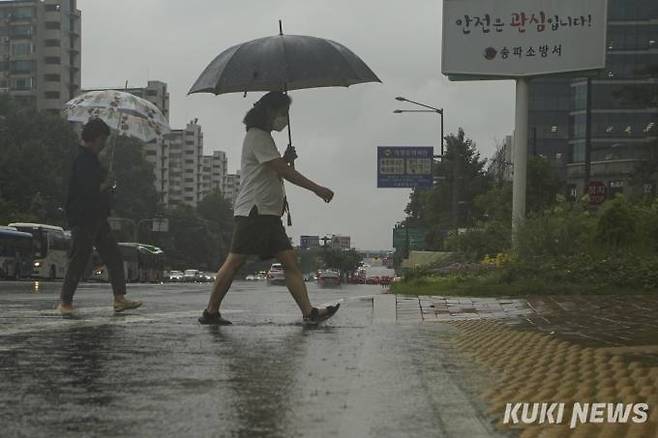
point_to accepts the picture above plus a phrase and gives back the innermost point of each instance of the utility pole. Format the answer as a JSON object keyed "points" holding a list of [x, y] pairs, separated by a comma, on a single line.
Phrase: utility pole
{"points": [[588, 137], [456, 165], [520, 154]]}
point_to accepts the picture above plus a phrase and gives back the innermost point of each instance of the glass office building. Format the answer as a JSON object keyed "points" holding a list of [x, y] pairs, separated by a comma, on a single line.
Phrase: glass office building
{"points": [[624, 108]]}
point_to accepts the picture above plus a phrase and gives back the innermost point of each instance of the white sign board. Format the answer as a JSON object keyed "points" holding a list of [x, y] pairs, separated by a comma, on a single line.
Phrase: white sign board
{"points": [[516, 38]]}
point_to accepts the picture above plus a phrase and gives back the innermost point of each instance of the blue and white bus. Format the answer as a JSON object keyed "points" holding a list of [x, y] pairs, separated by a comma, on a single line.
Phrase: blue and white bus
{"points": [[51, 245], [15, 254]]}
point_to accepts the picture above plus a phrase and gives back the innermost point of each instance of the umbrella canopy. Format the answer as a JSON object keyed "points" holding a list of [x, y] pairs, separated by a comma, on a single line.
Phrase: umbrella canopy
{"points": [[281, 63], [128, 114]]}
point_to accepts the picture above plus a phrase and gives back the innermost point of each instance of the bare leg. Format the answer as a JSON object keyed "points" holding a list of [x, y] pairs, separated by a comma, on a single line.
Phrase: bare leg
{"points": [[295, 280], [223, 280]]}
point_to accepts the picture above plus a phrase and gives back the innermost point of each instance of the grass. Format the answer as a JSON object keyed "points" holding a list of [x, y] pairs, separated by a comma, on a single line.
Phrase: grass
{"points": [[490, 284]]}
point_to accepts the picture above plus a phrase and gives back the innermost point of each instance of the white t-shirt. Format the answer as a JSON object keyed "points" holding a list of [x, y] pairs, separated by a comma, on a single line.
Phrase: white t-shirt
{"points": [[259, 185]]}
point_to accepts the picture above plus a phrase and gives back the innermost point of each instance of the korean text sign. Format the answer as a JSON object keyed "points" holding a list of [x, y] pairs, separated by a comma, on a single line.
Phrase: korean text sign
{"points": [[404, 166], [515, 38]]}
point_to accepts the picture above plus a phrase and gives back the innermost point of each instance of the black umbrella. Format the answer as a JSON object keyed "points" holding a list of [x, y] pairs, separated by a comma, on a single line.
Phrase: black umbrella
{"points": [[283, 63]]}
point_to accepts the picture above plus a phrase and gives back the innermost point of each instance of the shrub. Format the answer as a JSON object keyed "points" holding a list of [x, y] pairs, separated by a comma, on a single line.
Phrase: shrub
{"points": [[616, 227], [491, 239], [563, 230]]}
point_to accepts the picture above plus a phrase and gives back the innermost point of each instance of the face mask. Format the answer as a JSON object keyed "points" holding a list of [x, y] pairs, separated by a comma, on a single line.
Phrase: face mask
{"points": [[280, 122]]}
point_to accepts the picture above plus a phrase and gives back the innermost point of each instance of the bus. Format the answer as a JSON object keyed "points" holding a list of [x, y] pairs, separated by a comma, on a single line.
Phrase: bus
{"points": [[15, 254], [142, 263], [50, 249]]}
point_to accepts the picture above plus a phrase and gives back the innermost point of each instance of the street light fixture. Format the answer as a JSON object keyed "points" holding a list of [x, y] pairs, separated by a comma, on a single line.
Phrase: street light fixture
{"points": [[430, 109], [455, 187]]}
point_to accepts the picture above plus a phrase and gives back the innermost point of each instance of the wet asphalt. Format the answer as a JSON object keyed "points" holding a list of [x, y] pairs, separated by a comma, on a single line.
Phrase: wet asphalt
{"points": [[156, 372]]}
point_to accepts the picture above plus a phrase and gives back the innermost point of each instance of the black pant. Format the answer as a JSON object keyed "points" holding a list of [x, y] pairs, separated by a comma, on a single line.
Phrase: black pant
{"points": [[85, 237]]}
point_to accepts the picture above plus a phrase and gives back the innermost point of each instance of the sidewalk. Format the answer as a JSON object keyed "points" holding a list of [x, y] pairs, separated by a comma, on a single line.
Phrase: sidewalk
{"points": [[564, 349]]}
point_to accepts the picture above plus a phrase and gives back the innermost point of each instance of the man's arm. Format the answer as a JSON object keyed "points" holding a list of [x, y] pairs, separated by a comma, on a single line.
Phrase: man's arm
{"points": [[281, 167]]}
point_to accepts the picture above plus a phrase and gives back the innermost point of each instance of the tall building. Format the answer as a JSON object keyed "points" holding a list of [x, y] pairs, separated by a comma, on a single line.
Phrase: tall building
{"points": [[213, 172], [624, 111], [341, 242], [232, 187], [309, 242], [156, 152], [40, 52], [185, 164]]}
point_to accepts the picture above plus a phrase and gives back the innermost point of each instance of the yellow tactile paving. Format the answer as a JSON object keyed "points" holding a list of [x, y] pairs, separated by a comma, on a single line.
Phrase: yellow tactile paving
{"points": [[533, 367]]}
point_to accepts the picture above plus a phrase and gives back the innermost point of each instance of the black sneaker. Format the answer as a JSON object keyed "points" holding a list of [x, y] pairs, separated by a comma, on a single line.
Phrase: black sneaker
{"points": [[213, 319], [315, 317]]}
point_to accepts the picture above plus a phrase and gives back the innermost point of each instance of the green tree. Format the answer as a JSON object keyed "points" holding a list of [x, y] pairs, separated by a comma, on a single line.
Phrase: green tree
{"points": [[310, 260], [617, 224], [346, 261], [543, 188], [190, 242], [199, 238], [215, 208], [450, 202], [37, 151], [135, 196], [218, 213], [35, 166]]}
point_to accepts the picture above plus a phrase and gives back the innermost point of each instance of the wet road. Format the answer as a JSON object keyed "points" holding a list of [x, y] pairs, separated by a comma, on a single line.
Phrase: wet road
{"points": [[157, 372]]}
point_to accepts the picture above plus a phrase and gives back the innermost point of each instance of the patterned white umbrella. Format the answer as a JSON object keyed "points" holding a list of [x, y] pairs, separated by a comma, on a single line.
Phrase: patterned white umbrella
{"points": [[124, 112]]}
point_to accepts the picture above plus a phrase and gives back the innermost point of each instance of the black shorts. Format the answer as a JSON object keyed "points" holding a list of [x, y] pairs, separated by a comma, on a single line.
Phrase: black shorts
{"points": [[261, 235]]}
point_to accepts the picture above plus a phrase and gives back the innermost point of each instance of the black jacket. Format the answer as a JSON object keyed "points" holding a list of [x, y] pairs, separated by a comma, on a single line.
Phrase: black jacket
{"points": [[85, 203]]}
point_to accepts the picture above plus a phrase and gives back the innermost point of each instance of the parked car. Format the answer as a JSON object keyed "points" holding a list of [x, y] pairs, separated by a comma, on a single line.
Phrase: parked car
{"points": [[208, 277], [329, 278], [175, 276], [276, 275], [256, 277], [373, 279], [191, 275]]}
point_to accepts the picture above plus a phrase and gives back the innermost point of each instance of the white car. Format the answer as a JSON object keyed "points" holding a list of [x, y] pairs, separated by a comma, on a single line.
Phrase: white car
{"points": [[208, 276], [191, 275], [276, 275], [175, 276]]}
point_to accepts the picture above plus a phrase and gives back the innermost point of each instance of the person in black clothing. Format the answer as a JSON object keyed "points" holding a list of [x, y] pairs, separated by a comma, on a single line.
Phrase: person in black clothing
{"points": [[87, 209]]}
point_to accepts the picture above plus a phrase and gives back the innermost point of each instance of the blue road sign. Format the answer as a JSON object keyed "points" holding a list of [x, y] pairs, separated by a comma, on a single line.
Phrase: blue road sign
{"points": [[404, 166]]}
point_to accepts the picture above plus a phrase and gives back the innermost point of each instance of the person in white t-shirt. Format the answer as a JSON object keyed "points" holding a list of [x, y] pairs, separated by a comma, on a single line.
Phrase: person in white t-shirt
{"points": [[259, 206]]}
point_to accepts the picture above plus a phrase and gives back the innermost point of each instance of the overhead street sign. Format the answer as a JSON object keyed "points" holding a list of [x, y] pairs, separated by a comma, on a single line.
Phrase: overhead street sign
{"points": [[521, 38], [404, 166]]}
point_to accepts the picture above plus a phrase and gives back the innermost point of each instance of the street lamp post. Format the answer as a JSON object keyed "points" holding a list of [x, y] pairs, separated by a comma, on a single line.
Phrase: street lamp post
{"points": [[430, 109], [455, 187]]}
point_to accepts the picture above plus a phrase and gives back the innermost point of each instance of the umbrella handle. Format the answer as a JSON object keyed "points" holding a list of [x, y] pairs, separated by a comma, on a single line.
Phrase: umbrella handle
{"points": [[292, 163]]}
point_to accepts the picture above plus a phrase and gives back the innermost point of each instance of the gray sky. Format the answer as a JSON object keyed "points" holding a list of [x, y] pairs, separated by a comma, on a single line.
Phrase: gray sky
{"points": [[336, 130]]}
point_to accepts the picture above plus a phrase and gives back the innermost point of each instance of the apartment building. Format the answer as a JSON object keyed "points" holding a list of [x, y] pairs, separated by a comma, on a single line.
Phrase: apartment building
{"points": [[232, 187], [341, 242], [213, 172], [185, 165], [309, 242], [40, 52]]}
